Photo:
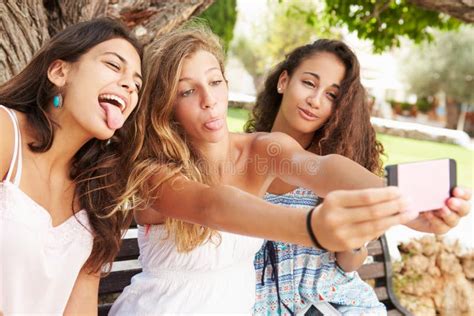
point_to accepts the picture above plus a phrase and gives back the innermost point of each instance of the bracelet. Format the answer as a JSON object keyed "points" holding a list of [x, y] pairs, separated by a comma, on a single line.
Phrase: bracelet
{"points": [[311, 232]]}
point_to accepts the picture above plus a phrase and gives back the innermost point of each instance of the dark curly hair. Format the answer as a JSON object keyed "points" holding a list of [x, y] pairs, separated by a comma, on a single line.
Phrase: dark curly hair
{"points": [[94, 170], [348, 131]]}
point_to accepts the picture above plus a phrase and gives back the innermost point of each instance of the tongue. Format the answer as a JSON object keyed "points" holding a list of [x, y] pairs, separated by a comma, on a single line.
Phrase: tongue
{"points": [[115, 118], [213, 125]]}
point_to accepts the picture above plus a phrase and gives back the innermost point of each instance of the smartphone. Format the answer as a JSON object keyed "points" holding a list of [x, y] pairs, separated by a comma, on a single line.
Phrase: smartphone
{"points": [[425, 184]]}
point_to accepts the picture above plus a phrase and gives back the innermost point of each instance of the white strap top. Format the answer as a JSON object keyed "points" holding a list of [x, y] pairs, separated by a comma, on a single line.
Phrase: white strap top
{"points": [[17, 157], [39, 262]]}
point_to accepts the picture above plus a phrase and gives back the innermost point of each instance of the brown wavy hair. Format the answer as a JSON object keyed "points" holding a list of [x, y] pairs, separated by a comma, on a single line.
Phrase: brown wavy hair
{"points": [[348, 131], [159, 144], [94, 166]]}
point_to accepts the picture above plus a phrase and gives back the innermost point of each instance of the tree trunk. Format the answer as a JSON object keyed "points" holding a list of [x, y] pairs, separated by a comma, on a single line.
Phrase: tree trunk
{"points": [[25, 25], [23, 30], [453, 113], [62, 13], [460, 9]]}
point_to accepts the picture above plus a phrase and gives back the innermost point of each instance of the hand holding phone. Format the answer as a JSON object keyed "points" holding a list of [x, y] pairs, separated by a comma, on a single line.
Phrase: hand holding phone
{"points": [[425, 184]]}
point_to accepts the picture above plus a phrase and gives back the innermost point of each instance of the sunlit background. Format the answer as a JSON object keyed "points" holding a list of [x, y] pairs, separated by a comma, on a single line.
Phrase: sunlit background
{"points": [[422, 82]]}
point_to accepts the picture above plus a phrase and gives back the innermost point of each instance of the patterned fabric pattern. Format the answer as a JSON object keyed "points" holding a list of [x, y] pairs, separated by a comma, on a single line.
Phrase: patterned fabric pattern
{"points": [[307, 275]]}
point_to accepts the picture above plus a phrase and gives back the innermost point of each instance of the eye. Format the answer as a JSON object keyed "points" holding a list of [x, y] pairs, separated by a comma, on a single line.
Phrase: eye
{"points": [[332, 96], [309, 83], [138, 86], [113, 65], [216, 82], [187, 93]]}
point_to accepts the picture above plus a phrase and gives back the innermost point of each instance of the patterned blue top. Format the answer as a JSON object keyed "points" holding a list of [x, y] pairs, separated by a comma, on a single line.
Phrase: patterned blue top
{"points": [[307, 275]]}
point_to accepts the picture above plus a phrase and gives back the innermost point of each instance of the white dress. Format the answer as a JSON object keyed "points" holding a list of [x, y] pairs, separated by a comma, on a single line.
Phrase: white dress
{"points": [[39, 263], [213, 278]]}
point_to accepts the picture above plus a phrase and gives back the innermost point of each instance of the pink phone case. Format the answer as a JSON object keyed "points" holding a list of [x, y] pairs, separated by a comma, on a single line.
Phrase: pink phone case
{"points": [[425, 184]]}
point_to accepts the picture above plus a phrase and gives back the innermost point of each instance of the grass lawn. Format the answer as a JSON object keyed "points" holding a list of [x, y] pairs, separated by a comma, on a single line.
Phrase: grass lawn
{"points": [[399, 149], [236, 119]]}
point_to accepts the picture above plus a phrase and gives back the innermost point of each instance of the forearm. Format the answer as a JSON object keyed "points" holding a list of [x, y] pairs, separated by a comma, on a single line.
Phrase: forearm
{"points": [[232, 210], [227, 208], [351, 261], [346, 219]]}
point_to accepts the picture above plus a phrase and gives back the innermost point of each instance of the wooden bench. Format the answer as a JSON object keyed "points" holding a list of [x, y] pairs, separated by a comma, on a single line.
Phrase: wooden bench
{"points": [[113, 284], [380, 270]]}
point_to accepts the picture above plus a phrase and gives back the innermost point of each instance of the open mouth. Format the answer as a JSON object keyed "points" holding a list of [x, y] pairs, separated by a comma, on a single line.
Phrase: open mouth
{"points": [[114, 107], [114, 100]]}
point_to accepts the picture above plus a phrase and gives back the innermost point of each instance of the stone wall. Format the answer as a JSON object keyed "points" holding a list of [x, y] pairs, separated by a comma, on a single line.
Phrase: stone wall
{"points": [[420, 131], [435, 277]]}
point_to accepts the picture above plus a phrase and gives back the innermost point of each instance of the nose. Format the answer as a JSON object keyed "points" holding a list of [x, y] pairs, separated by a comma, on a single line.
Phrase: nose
{"points": [[208, 100], [314, 99], [127, 83]]}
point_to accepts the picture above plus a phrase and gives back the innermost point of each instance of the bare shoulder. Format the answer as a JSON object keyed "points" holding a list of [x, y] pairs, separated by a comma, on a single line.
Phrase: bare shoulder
{"points": [[244, 140], [273, 143], [276, 137], [7, 142]]}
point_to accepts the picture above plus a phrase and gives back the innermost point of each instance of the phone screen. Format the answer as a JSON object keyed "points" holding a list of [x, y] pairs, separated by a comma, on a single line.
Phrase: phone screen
{"points": [[425, 184]]}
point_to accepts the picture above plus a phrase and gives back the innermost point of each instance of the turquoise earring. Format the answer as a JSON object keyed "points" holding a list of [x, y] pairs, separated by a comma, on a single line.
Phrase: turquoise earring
{"points": [[58, 101]]}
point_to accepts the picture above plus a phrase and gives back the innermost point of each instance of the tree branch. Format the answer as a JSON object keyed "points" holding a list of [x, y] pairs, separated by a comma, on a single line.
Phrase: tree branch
{"points": [[378, 8], [460, 9], [151, 18]]}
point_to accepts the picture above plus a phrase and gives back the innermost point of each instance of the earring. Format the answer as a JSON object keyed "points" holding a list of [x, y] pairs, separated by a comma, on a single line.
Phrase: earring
{"points": [[279, 89], [58, 101]]}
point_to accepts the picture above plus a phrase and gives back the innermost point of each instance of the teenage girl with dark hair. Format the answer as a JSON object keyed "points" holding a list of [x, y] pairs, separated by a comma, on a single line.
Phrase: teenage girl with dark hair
{"points": [[60, 121], [315, 96]]}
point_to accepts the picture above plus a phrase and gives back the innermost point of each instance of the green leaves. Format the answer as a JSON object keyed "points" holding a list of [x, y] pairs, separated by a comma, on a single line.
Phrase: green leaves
{"points": [[446, 64], [287, 25], [221, 16], [383, 22]]}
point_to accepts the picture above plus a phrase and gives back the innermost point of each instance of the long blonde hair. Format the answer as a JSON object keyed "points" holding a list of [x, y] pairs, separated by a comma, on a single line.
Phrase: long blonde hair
{"points": [[159, 144]]}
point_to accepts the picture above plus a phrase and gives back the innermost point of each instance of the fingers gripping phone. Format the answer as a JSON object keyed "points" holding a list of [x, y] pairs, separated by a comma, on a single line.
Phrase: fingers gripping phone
{"points": [[425, 184]]}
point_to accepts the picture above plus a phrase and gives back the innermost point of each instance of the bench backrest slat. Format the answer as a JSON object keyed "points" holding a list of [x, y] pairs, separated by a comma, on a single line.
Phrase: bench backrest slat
{"points": [[129, 250], [372, 271], [116, 281]]}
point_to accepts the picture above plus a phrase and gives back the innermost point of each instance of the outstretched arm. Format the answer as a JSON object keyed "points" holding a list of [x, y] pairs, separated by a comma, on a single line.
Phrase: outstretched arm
{"points": [[288, 161], [346, 219], [323, 174], [225, 208]]}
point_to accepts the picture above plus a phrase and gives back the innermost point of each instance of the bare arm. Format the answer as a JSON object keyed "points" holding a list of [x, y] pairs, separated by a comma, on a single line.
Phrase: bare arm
{"points": [[308, 170], [84, 296], [351, 261], [227, 208], [322, 174]]}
